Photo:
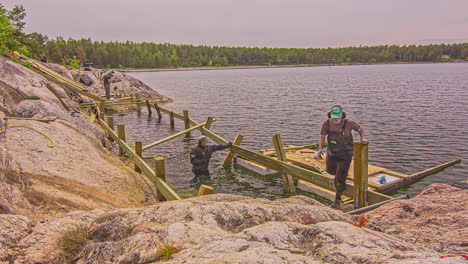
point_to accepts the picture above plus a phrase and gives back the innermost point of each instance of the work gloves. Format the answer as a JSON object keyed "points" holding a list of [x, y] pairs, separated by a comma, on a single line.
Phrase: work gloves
{"points": [[319, 154]]}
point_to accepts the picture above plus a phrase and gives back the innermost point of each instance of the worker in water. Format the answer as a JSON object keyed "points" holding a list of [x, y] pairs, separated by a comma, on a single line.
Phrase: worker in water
{"points": [[108, 79], [201, 154], [337, 130]]}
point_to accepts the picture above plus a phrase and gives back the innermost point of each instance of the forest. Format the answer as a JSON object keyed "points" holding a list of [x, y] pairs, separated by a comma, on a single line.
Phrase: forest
{"points": [[165, 55]]}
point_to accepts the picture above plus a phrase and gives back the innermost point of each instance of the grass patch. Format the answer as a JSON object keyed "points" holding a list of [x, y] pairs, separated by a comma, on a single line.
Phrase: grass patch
{"points": [[167, 251], [73, 241]]}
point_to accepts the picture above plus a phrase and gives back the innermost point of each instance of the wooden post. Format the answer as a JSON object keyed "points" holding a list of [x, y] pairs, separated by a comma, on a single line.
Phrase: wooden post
{"points": [[137, 97], [121, 135], [101, 110], [138, 152], [288, 184], [205, 190], [110, 123], [148, 106], [158, 111], [209, 121], [230, 155], [360, 173], [160, 170], [171, 119], [186, 122]]}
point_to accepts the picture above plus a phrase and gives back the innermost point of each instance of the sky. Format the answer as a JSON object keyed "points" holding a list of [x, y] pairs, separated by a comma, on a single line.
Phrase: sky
{"points": [[253, 23]]}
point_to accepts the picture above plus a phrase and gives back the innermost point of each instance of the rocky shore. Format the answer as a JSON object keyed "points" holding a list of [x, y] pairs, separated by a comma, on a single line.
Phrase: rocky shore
{"points": [[77, 202]]}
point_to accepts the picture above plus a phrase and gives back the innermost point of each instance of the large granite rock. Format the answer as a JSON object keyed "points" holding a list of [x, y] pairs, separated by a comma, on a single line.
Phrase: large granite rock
{"points": [[78, 173], [436, 218]]}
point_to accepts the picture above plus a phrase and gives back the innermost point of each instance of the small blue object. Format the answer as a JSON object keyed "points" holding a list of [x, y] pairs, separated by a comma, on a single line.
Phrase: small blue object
{"points": [[382, 180]]}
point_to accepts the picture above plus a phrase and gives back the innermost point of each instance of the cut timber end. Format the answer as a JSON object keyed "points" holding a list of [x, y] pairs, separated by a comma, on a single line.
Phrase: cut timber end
{"points": [[254, 167], [205, 190]]}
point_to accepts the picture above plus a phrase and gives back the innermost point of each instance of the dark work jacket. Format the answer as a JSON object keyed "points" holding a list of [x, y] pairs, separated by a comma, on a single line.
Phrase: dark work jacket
{"points": [[200, 158]]}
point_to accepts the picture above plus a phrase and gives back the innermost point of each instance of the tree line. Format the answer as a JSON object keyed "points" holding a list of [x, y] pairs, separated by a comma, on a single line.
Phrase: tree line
{"points": [[164, 55]]}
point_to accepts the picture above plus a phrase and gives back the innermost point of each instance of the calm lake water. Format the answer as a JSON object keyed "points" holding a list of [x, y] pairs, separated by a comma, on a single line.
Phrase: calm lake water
{"points": [[415, 117]]}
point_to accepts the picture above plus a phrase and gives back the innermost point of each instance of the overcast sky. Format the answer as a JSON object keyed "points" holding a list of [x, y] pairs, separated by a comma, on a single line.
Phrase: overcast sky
{"points": [[270, 23]]}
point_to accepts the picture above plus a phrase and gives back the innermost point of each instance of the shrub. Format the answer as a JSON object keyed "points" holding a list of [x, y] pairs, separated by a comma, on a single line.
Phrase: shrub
{"points": [[73, 241], [167, 251]]}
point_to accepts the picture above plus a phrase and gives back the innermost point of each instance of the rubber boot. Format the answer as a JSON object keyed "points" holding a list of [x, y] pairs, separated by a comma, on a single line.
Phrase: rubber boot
{"points": [[337, 203]]}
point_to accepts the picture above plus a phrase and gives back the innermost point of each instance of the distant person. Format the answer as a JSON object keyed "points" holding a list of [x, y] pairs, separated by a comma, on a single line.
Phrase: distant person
{"points": [[108, 79], [337, 129], [201, 154], [43, 59]]}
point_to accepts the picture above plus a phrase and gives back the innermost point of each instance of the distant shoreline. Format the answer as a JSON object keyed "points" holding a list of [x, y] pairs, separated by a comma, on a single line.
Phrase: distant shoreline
{"points": [[271, 66]]}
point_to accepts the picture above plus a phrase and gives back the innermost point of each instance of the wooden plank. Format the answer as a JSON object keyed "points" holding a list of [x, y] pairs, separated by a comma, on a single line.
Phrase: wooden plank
{"points": [[58, 97], [161, 185], [138, 152], [205, 190], [416, 176], [187, 123], [160, 170], [288, 184], [208, 122], [230, 155], [172, 136]]}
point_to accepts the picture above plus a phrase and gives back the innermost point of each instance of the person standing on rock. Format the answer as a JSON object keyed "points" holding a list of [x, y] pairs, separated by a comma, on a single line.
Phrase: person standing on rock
{"points": [[108, 79], [201, 154], [337, 130]]}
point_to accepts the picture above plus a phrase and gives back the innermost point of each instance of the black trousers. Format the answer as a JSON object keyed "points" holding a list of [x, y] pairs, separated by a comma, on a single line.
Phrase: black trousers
{"points": [[339, 167]]}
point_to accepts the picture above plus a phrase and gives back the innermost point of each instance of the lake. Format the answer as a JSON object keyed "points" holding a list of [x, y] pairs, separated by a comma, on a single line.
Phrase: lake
{"points": [[415, 116]]}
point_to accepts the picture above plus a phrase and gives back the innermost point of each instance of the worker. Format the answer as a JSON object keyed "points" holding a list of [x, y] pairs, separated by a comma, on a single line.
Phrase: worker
{"points": [[337, 130], [108, 79], [201, 154]]}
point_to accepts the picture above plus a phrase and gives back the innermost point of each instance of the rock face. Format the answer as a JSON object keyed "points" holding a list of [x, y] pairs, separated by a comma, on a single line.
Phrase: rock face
{"points": [[93, 79], [437, 218], [78, 173]]}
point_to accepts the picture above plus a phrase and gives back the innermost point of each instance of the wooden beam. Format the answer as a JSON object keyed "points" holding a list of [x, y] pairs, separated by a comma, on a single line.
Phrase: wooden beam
{"points": [[187, 122], [209, 120], [110, 123], [416, 176], [171, 119], [205, 190], [288, 184], [58, 97], [298, 172], [158, 111], [101, 110], [121, 135], [230, 155], [361, 173], [138, 152], [148, 106], [172, 136], [160, 170], [161, 185]]}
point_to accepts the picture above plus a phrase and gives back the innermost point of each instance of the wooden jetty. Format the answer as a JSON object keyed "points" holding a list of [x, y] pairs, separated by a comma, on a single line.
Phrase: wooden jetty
{"points": [[292, 162]]}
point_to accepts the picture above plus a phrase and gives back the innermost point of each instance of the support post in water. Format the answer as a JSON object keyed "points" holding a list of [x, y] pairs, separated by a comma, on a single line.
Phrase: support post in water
{"points": [[171, 119], [205, 190], [110, 124], [158, 111], [230, 155], [360, 173], [121, 135], [186, 122], [208, 122], [137, 98], [288, 184], [160, 170], [148, 106], [138, 152]]}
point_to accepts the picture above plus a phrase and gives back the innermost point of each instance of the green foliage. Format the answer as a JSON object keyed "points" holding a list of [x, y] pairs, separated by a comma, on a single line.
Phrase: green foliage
{"points": [[167, 251], [74, 62], [73, 241], [373, 60]]}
